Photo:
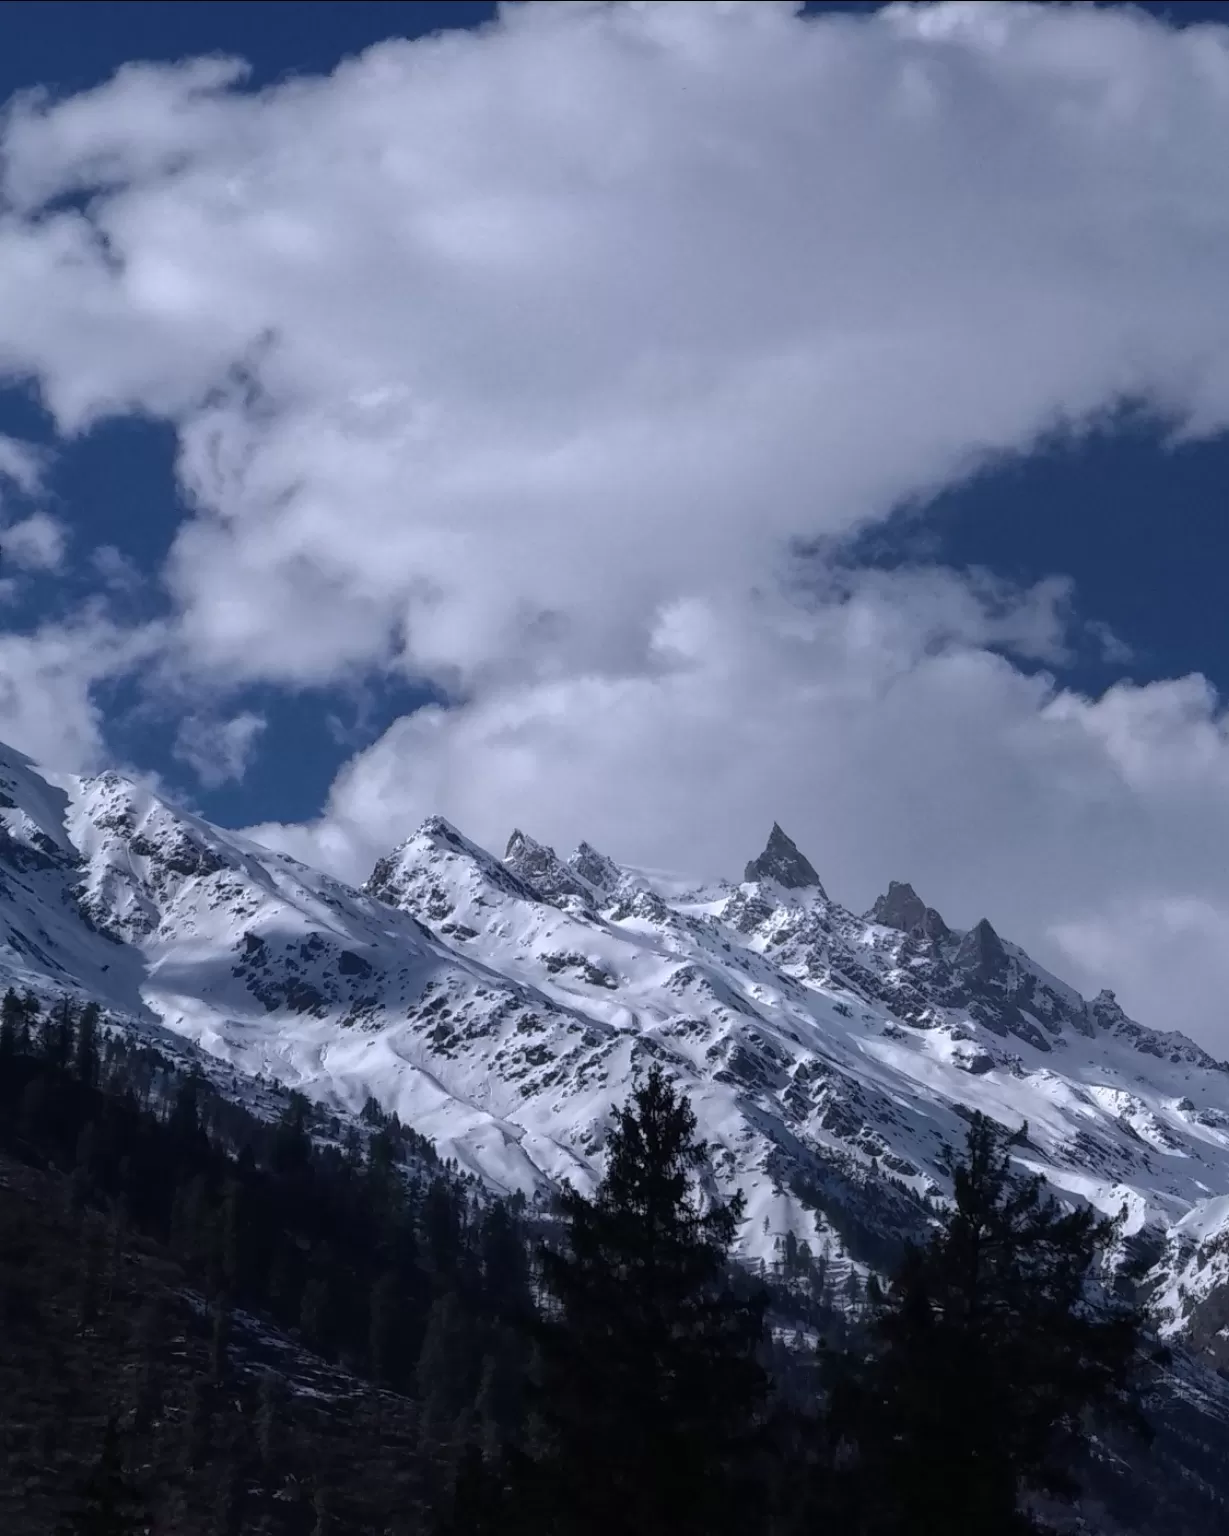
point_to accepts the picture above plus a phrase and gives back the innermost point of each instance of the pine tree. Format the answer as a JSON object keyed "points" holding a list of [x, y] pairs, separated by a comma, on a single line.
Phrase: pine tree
{"points": [[219, 1340], [992, 1350], [383, 1331], [147, 1386], [228, 1501], [31, 1011], [58, 1038], [321, 1510], [232, 1237], [197, 1425], [650, 1393], [316, 1311], [105, 1502], [86, 1055], [270, 1413], [12, 1017], [477, 1500], [89, 1294]]}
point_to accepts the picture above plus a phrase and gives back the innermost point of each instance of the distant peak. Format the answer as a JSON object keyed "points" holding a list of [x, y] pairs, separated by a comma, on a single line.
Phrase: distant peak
{"points": [[595, 868], [518, 844], [541, 867], [981, 951], [902, 908], [437, 826], [783, 863], [436, 841], [1105, 1008]]}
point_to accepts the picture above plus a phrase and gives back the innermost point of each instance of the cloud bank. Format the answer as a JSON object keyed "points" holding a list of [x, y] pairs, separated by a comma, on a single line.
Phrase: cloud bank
{"points": [[539, 362]]}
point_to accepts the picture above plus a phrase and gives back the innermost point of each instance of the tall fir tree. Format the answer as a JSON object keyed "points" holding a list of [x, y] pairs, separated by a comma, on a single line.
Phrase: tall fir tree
{"points": [[86, 1052], [12, 1017], [994, 1350], [650, 1394], [105, 1502]]}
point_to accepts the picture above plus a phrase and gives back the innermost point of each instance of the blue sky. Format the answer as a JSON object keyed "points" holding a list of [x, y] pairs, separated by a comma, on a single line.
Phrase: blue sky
{"points": [[260, 536]]}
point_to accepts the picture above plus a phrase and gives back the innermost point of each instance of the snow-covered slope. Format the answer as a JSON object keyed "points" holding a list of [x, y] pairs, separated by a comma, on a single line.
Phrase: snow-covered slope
{"points": [[503, 1006]]}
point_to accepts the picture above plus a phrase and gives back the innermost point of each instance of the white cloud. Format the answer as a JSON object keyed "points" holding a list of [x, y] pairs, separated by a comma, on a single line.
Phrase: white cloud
{"points": [[520, 359], [118, 572], [540, 328], [46, 680], [36, 543], [21, 463], [219, 751]]}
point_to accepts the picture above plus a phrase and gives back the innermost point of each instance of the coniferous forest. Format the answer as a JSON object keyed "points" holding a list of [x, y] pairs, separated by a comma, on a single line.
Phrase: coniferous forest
{"points": [[213, 1323]]}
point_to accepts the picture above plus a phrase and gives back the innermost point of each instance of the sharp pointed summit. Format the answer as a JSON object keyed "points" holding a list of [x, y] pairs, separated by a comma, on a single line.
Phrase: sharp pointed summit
{"points": [[595, 868], [902, 908], [782, 862], [542, 868]]}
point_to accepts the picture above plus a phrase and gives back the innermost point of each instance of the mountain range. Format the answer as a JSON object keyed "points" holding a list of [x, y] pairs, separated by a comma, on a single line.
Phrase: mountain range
{"points": [[503, 1006]]}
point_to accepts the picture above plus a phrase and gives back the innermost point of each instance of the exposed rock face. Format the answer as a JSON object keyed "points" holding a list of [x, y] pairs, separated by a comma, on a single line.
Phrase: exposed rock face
{"points": [[981, 955], [595, 868], [783, 863], [542, 868], [902, 908]]}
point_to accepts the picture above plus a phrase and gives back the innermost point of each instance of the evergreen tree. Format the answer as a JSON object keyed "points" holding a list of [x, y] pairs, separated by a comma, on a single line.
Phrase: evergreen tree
{"points": [[650, 1394], [86, 1054], [228, 1502], [992, 1350], [12, 1016], [105, 1502], [89, 1292], [197, 1425], [219, 1340], [321, 1510], [383, 1332], [59, 1035], [270, 1413], [147, 1386], [31, 1011]]}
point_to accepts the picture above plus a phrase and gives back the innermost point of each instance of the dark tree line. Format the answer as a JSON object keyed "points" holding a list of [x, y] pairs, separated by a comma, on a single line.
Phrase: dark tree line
{"points": [[605, 1370]]}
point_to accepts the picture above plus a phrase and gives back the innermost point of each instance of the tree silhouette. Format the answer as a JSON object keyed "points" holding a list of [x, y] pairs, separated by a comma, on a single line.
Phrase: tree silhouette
{"points": [[650, 1389], [993, 1349], [105, 1502]]}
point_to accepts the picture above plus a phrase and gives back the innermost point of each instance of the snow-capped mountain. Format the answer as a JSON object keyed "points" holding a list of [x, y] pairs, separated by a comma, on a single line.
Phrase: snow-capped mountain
{"points": [[503, 1006]]}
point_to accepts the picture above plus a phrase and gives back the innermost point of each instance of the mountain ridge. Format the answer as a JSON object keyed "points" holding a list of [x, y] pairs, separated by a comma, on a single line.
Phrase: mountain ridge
{"points": [[503, 1006]]}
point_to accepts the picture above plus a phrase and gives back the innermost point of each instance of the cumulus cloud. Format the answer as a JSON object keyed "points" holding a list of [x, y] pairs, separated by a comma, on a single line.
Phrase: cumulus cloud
{"points": [[219, 751], [531, 361], [21, 464], [47, 677], [35, 543], [116, 571], [489, 345]]}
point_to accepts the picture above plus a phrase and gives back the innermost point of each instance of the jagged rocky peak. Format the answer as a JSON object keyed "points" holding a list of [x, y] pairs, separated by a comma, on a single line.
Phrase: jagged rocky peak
{"points": [[1105, 1009], [437, 846], [542, 867], [902, 908], [783, 863], [439, 829], [594, 868], [981, 951]]}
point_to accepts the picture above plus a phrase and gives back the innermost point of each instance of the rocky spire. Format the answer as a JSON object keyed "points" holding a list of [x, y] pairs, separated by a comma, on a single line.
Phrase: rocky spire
{"points": [[782, 862], [541, 867], [902, 908], [595, 868], [981, 953]]}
